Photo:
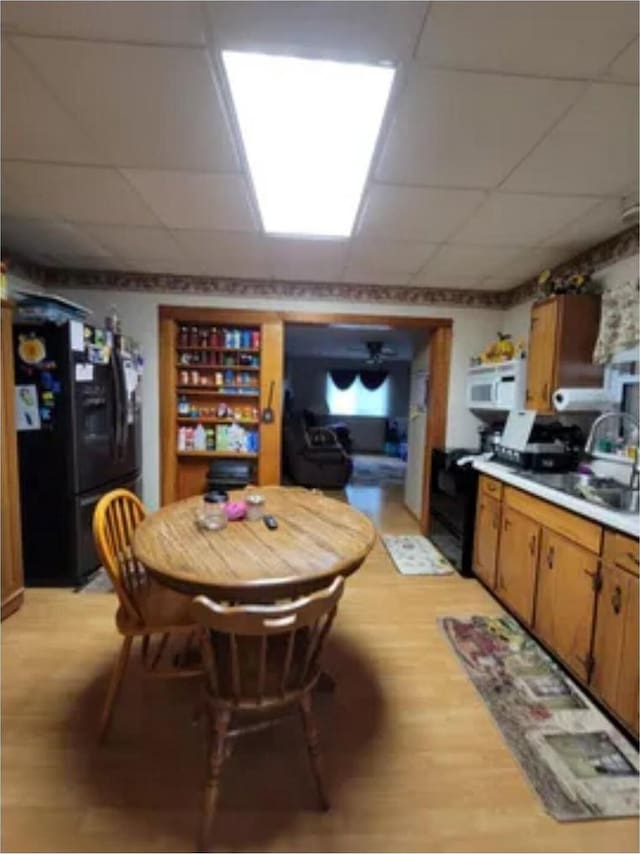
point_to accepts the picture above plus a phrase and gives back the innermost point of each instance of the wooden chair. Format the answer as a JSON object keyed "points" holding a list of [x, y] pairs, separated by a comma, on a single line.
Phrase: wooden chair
{"points": [[260, 662], [146, 609]]}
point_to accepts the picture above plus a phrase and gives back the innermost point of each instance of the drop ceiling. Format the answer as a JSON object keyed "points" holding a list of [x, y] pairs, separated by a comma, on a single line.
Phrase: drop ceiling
{"points": [[510, 139]]}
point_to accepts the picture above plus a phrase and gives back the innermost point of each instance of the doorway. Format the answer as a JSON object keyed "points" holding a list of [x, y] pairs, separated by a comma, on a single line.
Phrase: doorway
{"points": [[380, 385]]}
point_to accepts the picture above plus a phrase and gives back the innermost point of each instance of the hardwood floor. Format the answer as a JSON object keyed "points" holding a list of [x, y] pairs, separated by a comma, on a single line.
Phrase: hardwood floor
{"points": [[413, 759]]}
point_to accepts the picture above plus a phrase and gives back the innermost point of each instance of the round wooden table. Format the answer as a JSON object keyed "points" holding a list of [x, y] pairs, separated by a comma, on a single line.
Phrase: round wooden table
{"points": [[317, 538]]}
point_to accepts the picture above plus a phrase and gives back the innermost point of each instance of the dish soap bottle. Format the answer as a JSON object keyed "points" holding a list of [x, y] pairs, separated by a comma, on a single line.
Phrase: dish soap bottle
{"points": [[200, 438]]}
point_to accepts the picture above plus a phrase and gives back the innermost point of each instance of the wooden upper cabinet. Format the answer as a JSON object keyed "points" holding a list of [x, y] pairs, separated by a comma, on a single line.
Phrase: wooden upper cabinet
{"points": [[487, 531], [517, 562], [615, 648], [565, 600], [11, 535], [563, 334]]}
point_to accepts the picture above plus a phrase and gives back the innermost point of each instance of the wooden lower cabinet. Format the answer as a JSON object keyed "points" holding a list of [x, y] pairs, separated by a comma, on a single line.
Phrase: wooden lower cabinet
{"points": [[485, 546], [517, 562], [615, 648], [565, 600]]}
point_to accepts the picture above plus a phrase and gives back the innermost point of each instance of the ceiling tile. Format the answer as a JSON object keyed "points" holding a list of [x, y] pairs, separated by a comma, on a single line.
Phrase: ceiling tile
{"points": [[515, 219], [597, 224], [153, 107], [306, 260], [468, 130], [349, 30], [625, 67], [34, 126], [594, 149], [77, 193], [469, 261], [359, 273], [416, 213], [549, 39], [172, 23], [493, 284], [442, 280], [391, 256], [192, 200], [220, 253], [38, 238], [531, 262], [133, 243]]}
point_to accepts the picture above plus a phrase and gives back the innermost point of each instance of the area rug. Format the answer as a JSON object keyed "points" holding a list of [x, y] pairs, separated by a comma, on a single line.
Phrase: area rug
{"points": [[414, 555], [98, 583], [579, 764], [372, 470]]}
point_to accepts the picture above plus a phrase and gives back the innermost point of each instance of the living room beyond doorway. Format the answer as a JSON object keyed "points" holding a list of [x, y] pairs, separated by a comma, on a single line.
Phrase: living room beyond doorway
{"points": [[355, 407]]}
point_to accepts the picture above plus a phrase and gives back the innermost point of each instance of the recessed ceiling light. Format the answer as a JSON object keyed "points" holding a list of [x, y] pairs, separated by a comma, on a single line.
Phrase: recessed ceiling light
{"points": [[309, 129]]}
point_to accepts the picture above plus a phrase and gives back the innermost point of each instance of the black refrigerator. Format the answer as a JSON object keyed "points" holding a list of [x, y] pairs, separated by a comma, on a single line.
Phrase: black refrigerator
{"points": [[78, 412]]}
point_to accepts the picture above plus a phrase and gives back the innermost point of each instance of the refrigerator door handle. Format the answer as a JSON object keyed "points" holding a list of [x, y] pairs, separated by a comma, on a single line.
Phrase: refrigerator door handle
{"points": [[124, 407], [117, 401]]}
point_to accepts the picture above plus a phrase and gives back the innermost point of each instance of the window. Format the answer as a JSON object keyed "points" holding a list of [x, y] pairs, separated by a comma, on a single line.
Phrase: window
{"points": [[309, 129], [357, 400]]}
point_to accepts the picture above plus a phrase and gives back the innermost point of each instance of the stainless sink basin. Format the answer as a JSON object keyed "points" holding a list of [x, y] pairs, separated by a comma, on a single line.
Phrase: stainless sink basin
{"points": [[598, 490]]}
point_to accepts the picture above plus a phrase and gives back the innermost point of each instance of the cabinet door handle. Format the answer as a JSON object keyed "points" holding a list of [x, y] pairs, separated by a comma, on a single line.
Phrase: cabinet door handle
{"points": [[633, 557], [545, 391], [496, 522], [616, 599], [550, 556], [532, 544], [507, 524], [529, 395]]}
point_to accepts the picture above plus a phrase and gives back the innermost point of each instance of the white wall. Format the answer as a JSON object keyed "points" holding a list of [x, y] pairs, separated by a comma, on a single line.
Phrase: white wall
{"points": [[472, 329], [417, 435]]}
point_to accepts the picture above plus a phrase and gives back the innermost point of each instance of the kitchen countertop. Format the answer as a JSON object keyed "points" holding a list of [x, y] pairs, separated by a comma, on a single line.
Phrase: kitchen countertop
{"points": [[628, 523]]}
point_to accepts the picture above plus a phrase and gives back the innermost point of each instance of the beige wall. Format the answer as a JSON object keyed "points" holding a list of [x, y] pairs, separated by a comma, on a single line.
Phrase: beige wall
{"points": [[139, 312]]}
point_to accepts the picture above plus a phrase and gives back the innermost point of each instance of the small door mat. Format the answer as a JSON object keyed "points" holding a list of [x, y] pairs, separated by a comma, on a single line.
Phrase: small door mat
{"points": [[98, 583], [414, 555], [579, 764]]}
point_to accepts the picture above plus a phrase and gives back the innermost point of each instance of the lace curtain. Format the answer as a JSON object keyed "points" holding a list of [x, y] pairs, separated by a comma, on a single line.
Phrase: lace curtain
{"points": [[619, 320]]}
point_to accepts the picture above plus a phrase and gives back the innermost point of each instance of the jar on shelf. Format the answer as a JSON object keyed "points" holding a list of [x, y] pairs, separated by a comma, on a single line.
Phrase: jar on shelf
{"points": [[193, 337], [195, 378], [183, 337], [184, 377], [213, 337]]}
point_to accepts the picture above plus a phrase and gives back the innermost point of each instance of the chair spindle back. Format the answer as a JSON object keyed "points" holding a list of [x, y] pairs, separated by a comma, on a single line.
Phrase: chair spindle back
{"points": [[117, 515], [260, 653]]}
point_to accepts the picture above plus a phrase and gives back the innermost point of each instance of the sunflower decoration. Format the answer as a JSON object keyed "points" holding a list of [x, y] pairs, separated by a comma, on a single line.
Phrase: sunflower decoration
{"points": [[31, 349]]}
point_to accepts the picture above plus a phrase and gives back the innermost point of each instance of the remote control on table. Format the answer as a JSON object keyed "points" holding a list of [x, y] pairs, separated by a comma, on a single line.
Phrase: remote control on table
{"points": [[271, 522]]}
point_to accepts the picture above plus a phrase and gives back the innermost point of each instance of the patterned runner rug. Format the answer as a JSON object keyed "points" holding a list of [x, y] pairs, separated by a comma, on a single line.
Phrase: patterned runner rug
{"points": [[579, 764], [415, 555]]}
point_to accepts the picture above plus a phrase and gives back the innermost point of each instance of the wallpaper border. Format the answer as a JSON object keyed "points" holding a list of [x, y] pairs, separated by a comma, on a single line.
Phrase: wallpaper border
{"points": [[616, 248]]}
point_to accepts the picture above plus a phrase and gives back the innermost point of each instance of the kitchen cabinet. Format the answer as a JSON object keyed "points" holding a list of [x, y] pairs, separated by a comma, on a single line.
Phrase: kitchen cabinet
{"points": [[565, 600], [11, 542], [615, 646], [562, 336], [517, 562], [485, 547]]}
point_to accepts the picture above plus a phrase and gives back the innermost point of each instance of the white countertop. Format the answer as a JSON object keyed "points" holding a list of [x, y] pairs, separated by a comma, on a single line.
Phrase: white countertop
{"points": [[628, 523]]}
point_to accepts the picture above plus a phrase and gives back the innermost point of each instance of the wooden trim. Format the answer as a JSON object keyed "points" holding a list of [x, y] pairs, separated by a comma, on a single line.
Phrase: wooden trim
{"points": [[227, 317], [168, 408], [12, 603], [395, 321], [437, 405], [271, 372]]}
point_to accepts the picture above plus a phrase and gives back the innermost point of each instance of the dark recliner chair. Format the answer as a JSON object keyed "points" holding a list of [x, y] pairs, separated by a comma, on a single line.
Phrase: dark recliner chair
{"points": [[313, 456]]}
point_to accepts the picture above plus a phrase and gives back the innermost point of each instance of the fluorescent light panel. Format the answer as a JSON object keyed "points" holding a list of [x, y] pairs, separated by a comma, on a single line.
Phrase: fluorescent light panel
{"points": [[309, 129]]}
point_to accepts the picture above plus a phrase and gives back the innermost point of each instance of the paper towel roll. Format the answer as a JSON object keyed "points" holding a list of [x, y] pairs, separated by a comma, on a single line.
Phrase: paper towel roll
{"points": [[583, 400]]}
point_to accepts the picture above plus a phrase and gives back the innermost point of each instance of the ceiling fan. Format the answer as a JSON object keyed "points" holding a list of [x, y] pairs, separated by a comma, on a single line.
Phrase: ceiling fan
{"points": [[375, 352]]}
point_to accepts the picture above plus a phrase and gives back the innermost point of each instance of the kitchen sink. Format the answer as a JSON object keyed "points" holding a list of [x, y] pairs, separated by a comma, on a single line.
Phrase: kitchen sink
{"points": [[604, 491]]}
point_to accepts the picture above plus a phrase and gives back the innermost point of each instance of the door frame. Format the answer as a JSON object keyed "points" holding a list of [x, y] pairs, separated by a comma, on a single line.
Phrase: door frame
{"points": [[439, 332]]}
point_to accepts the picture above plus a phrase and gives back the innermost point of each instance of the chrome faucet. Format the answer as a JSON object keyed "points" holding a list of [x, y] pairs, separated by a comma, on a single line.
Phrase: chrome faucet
{"points": [[634, 482]]}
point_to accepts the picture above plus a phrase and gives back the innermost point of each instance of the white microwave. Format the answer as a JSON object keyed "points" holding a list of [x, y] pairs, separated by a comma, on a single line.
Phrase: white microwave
{"points": [[499, 386]]}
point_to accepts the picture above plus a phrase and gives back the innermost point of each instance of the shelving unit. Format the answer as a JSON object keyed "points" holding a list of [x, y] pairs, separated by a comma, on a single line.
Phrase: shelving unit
{"points": [[219, 407]]}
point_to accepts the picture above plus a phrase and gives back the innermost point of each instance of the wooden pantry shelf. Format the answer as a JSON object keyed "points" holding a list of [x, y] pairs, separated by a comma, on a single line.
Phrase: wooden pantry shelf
{"points": [[245, 455], [210, 392], [218, 349], [200, 367], [191, 419]]}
